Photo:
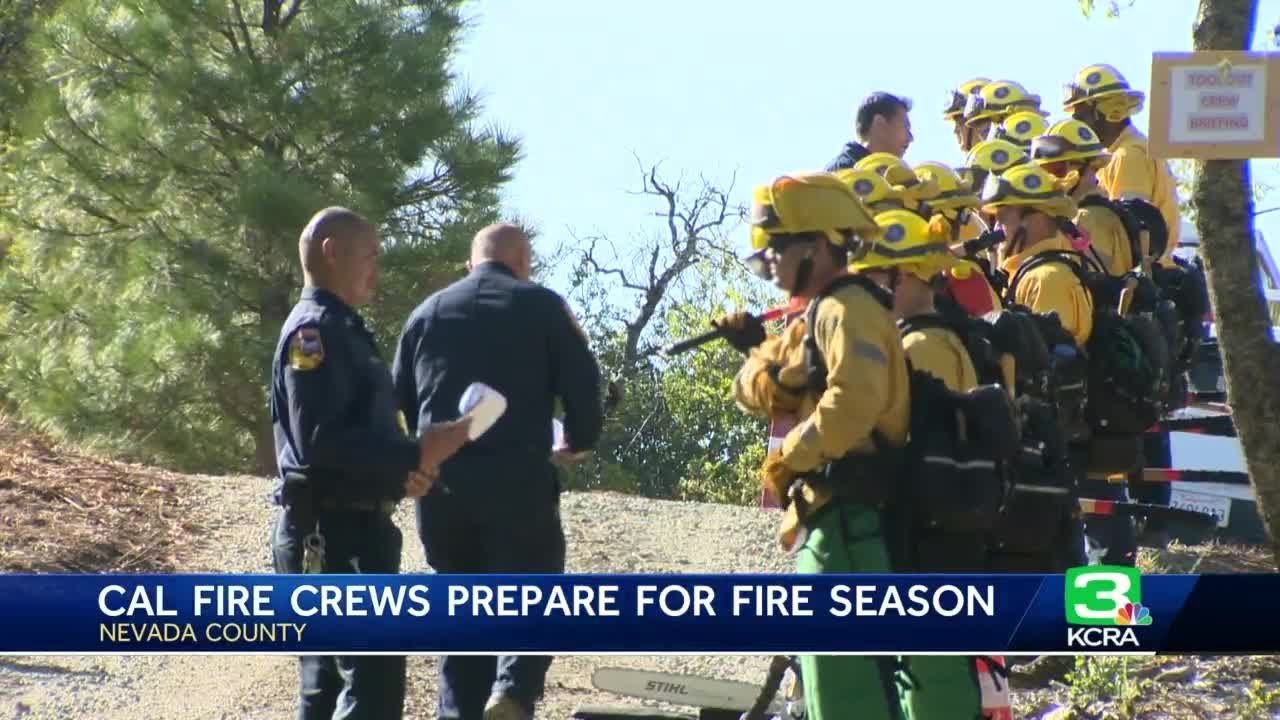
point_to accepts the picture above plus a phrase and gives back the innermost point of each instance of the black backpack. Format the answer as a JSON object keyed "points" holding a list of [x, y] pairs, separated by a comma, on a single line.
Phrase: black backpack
{"points": [[974, 334], [956, 468], [1183, 285], [1040, 490], [1136, 216], [1128, 356]]}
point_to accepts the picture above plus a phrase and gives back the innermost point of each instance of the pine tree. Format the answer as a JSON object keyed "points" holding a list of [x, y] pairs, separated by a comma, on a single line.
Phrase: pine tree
{"points": [[174, 153]]}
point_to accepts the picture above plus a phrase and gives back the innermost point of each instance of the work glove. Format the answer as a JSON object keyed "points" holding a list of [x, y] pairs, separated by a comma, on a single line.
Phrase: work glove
{"points": [[743, 330], [776, 477]]}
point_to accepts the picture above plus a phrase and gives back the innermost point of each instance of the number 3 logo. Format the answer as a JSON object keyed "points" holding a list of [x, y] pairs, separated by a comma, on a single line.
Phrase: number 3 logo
{"points": [[1095, 594]]}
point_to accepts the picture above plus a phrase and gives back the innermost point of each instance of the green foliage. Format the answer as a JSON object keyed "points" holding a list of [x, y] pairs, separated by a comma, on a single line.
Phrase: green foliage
{"points": [[171, 157], [1113, 7], [1261, 702], [1105, 678], [679, 434]]}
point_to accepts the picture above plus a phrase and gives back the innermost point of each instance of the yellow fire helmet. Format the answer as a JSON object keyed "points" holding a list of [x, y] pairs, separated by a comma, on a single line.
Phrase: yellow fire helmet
{"points": [[1019, 128], [872, 189], [889, 166], [954, 106], [1068, 141], [990, 157], [1107, 89], [909, 242], [808, 203], [953, 193], [1027, 186], [999, 99]]}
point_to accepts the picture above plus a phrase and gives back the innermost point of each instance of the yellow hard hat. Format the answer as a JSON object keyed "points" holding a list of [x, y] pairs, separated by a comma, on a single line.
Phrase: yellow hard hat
{"points": [[1028, 186], [909, 242], [1107, 89], [890, 167], [954, 106], [808, 203], [1019, 128], [953, 193], [1069, 140], [997, 100], [872, 189], [990, 157]]}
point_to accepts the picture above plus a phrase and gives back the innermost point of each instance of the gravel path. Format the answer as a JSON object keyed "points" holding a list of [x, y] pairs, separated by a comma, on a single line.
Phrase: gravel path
{"points": [[606, 532]]}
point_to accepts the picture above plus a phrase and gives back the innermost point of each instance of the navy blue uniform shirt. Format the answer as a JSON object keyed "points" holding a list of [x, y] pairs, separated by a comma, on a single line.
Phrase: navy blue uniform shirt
{"points": [[849, 156], [515, 336], [333, 405]]}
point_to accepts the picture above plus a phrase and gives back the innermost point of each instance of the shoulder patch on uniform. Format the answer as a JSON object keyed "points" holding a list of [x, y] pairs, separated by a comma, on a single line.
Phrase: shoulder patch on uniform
{"points": [[862, 348], [306, 351]]}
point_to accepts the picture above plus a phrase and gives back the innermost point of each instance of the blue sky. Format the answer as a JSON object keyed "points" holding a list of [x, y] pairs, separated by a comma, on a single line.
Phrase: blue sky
{"points": [[715, 87]]}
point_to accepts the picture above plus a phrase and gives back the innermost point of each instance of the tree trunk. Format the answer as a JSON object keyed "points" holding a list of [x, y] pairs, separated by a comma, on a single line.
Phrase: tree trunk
{"points": [[1223, 196]]}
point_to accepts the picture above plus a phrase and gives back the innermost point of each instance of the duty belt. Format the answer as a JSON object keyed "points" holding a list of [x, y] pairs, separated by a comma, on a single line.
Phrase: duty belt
{"points": [[384, 507]]}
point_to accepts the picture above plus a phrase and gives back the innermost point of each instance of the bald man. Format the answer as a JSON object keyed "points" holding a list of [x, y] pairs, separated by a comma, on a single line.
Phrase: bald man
{"points": [[495, 507], [344, 455]]}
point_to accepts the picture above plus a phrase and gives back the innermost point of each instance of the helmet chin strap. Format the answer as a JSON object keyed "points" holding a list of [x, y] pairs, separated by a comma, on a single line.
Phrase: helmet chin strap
{"points": [[804, 273]]}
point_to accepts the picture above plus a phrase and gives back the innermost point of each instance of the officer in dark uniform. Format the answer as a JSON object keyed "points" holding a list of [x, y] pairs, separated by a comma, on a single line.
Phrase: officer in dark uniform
{"points": [[495, 507], [343, 458]]}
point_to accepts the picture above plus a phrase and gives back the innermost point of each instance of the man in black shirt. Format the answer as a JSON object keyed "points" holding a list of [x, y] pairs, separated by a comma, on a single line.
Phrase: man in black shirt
{"points": [[343, 459], [883, 124], [496, 506]]}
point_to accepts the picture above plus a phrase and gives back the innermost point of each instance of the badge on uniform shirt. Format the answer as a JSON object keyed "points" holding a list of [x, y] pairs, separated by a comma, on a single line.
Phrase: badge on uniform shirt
{"points": [[306, 352], [400, 421]]}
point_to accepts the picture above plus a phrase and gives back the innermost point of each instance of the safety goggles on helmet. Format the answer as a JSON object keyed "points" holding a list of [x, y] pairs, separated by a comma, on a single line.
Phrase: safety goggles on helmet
{"points": [[1027, 186], [1052, 148], [1073, 94]]}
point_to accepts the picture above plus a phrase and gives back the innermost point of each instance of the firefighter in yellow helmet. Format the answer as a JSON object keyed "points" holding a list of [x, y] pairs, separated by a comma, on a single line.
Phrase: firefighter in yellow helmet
{"points": [[996, 101], [907, 259], [877, 193], [1073, 153], [953, 112], [1035, 215], [853, 399], [1019, 128], [891, 167], [954, 207], [1101, 98], [987, 158]]}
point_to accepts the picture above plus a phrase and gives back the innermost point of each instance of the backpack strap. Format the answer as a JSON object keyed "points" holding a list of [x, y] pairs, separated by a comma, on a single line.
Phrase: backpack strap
{"points": [[815, 365], [1074, 260], [1132, 225]]}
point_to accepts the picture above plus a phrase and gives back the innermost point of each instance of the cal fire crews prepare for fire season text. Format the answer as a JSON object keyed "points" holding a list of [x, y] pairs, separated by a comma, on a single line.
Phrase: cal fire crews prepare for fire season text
{"points": [[970, 350]]}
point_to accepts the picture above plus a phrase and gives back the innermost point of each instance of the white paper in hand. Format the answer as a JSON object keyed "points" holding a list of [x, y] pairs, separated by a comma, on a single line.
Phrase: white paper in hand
{"points": [[558, 443], [483, 405]]}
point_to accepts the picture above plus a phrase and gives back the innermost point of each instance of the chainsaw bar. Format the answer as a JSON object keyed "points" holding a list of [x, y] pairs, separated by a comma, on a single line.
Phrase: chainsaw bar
{"points": [[677, 689]]}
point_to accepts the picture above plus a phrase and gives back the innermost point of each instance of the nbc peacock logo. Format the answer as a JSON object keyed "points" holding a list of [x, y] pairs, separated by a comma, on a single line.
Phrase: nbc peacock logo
{"points": [[1133, 614]]}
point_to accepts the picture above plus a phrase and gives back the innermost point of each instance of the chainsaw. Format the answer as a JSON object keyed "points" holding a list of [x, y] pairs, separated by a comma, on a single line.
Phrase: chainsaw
{"points": [[693, 691]]}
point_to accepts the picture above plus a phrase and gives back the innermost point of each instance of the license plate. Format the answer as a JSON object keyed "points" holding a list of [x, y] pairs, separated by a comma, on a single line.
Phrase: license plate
{"points": [[1216, 505]]}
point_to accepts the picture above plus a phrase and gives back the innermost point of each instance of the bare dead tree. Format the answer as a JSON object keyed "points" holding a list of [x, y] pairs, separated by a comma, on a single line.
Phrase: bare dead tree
{"points": [[695, 220]]}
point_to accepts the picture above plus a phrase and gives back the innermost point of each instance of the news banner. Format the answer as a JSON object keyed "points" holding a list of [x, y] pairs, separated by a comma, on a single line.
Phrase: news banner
{"points": [[1096, 609]]}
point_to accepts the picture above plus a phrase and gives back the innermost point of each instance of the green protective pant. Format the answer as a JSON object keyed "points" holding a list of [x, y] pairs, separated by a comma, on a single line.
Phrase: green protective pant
{"points": [[847, 538]]}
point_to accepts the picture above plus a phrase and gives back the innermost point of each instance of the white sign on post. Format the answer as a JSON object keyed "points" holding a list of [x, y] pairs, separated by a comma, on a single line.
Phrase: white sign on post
{"points": [[1205, 106], [1215, 104]]}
